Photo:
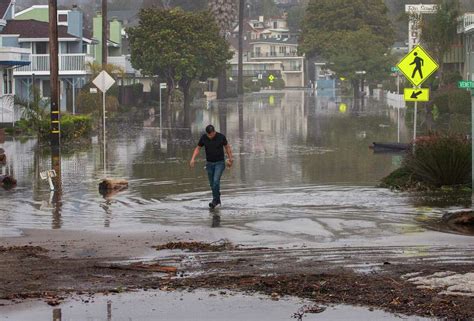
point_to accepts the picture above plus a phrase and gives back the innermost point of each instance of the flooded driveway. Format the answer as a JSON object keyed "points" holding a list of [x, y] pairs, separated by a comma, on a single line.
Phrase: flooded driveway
{"points": [[303, 174]]}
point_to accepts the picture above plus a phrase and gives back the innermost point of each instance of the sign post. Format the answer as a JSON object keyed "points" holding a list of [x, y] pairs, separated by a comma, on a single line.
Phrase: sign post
{"points": [[417, 66], [162, 86], [469, 84], [103, 82]]}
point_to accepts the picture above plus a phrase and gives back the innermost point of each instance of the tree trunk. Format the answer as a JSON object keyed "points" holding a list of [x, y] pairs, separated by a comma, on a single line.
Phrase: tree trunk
{"points": [[186, 87], [222, 84]]}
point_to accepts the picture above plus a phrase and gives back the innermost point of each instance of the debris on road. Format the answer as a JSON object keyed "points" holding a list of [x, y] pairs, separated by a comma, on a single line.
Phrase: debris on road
{"points": [[218, 246]]}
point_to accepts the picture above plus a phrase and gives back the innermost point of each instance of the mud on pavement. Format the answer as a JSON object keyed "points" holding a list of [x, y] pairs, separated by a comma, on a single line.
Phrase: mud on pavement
{"points": [[31, 272]]}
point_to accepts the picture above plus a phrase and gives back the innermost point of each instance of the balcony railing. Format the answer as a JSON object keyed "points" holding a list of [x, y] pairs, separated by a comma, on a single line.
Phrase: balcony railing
{"points": [[68, 64], [14, 54], [272, 54], [466, 22], [256, 73], [123, 62]]}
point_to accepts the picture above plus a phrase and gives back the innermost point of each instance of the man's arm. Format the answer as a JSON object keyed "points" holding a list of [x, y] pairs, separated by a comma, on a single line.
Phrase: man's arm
{"points": [[195, 154], [228, 151]]}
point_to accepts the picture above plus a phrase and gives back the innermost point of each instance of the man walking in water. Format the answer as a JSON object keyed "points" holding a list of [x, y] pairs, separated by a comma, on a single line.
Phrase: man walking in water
{"points": [[214, 144], [418, 62]]}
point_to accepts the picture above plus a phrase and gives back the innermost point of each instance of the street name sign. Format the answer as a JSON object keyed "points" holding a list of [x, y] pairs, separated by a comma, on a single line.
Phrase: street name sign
{"points": [[417, 94], [103, 81], [466, 84], [417, 66]]}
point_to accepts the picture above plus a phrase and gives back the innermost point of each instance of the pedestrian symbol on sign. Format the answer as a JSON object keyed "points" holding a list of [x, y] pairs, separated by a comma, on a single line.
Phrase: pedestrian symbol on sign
{"points": [[418, 62]]}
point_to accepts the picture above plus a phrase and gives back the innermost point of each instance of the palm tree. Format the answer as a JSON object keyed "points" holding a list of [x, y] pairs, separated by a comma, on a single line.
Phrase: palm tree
{"points": [[224, 11]]}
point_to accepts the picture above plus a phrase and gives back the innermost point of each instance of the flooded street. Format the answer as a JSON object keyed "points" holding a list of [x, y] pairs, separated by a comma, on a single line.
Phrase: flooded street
{"points": [[301, 199], [303, 173]]}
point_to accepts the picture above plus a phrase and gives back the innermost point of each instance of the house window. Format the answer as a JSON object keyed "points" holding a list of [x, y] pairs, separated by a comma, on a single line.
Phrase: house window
{"points": [[257, 52], [41, 48], [62, 18], [282, 49], [46, 88], [272, 51]]}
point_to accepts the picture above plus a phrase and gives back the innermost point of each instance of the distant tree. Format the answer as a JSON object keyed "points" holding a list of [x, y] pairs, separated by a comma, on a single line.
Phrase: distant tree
{"points": [[188, 5], [351, 35], [225, 14], [265, 8], [295, 18], [439, 30], [177, 46]]}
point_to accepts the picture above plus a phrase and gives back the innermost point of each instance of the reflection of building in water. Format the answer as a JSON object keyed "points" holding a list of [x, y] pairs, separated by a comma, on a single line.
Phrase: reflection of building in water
{"points": [[272, 123]]}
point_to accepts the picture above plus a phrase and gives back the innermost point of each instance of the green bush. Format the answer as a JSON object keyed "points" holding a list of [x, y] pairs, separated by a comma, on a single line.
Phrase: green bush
{"points": [[453, 100], [72, 127], [278, 84], [440, 160]]}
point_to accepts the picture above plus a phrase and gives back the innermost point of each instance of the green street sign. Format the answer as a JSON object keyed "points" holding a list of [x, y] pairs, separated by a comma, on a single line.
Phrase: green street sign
{"points": [[466, 84], [395, 69]]}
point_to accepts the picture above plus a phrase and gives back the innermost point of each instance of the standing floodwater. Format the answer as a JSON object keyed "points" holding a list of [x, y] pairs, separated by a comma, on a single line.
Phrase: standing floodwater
{"points": [[302, 168]]}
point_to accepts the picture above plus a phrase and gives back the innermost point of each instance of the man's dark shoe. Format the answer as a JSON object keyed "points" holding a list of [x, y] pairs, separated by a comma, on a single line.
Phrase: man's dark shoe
{"points": [[212, 205]]}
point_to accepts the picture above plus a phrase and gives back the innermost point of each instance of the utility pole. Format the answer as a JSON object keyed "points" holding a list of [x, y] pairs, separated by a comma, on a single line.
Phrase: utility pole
{"points": [[240, 85], [54, 73], [104, 33]]}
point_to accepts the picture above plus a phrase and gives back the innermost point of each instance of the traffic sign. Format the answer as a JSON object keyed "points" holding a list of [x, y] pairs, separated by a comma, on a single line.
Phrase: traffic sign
{"points": [[417, 66], [103, 81], [271, 78], [163, 85], [466, 84], [417, 94]]}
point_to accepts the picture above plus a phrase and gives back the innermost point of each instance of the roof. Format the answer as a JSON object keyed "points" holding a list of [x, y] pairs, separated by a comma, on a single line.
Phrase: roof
{"points": [[4, 4], [33, 29], [234, 42], [282, 40]]}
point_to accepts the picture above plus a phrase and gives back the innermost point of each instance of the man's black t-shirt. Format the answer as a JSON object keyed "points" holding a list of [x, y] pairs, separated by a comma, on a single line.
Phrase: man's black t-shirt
{"points": [[214, 147]]}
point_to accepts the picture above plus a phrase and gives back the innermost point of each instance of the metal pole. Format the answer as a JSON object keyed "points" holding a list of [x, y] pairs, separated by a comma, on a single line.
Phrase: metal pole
{"points": [[472, 138], [398, 123], [103, 124], [161, 115], [240, 85], [414, 121], [73, 96], [54, 73], [104, 33]]}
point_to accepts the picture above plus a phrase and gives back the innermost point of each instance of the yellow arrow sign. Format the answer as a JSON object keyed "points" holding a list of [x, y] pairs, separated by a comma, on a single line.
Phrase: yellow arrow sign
{"points": [[417, 94], [417, 66]]}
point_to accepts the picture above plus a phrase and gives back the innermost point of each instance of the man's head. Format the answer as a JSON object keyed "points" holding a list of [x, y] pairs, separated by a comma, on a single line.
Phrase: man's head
{"points": [[210, 131]]}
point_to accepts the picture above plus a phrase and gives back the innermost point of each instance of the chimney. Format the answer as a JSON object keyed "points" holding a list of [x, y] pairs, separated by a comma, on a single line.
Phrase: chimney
{"points": [[13, 2], [75, 22]]}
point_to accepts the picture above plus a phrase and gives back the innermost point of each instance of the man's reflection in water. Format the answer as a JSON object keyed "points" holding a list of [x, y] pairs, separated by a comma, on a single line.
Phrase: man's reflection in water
{"points": [[216, 220], [57, 315]]}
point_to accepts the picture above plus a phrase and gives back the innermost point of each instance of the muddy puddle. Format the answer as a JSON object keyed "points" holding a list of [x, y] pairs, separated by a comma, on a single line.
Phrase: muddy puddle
{"points": [[195, 306]]}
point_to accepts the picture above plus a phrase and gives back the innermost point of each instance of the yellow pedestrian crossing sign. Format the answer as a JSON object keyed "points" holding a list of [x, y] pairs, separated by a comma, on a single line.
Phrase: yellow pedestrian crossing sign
{"points": [[417, 94], [271, 78], [417, 66]]}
